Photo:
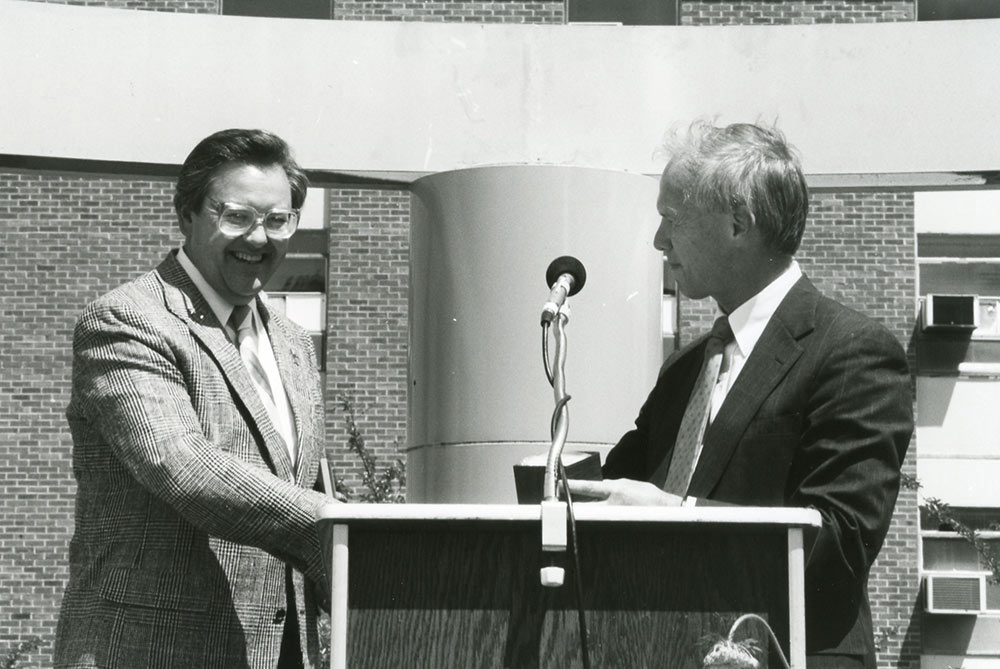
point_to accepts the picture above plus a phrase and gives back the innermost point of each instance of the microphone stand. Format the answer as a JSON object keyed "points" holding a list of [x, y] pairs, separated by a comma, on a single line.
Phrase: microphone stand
{"points": [[556, 514], [560, 415], [553, 511]]}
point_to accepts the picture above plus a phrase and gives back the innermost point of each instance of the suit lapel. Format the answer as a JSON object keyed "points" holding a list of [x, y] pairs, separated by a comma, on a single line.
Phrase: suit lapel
{"points": [[772, 357], [182, 298]]}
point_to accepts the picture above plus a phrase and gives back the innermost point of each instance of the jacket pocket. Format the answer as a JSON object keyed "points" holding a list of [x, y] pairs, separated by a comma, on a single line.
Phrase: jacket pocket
{"points": [[161, 590]]}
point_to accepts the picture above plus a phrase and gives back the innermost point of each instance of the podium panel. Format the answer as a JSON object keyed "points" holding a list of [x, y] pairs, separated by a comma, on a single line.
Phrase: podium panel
{"points": [[458, 586]]}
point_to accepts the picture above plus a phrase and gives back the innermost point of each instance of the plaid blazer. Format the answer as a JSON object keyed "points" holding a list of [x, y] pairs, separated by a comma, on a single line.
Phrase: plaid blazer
{"points": [[820, 416], [187, 508]]}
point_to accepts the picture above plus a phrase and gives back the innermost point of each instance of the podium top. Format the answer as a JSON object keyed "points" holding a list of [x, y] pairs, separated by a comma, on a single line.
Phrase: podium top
{"points": [[351, 514]]}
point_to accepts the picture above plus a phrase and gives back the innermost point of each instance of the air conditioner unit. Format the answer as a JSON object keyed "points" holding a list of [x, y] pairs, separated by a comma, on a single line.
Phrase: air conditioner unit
{"points": [[955, 592], [950, 312]]}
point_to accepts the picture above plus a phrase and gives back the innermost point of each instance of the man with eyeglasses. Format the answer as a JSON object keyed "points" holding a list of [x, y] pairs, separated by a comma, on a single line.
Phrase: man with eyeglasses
{"points": [[198, 426]]}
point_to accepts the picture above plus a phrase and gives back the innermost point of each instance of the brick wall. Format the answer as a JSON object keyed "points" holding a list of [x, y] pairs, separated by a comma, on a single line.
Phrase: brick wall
{"points": [[64, 240], [766, 12], [486, 11], [860, 249], [183, 6], [367, 322], [498, 11]]}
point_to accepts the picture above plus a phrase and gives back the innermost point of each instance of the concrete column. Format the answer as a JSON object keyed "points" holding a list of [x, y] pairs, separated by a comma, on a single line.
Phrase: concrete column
{"points": [[481, 241]]}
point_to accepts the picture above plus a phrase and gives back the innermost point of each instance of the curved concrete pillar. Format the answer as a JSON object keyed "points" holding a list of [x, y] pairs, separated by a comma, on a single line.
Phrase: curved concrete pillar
{"points": [[481, 240]]}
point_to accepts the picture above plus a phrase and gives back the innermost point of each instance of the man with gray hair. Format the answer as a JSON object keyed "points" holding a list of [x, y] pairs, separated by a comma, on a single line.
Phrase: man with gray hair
{"points": [[792, 400]]}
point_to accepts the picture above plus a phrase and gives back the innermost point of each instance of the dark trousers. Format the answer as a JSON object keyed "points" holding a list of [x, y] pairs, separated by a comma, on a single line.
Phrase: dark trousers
{"points": [[291, 649]]}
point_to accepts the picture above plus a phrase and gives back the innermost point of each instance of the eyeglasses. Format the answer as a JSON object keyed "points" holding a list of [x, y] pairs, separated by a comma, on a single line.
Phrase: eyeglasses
{"points": [[236, 220]]}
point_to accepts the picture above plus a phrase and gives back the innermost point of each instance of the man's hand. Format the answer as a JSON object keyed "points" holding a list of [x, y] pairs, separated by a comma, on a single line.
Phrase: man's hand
{"points": [[625, 492]]}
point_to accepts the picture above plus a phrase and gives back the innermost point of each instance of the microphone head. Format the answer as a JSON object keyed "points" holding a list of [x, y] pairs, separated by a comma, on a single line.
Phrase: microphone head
{"points": [[567, 265]]}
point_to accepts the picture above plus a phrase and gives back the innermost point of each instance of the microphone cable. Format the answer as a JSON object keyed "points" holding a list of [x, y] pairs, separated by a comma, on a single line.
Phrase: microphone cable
{"points": [[729, 653], [573, 545], [577, 574], [545, 353]]}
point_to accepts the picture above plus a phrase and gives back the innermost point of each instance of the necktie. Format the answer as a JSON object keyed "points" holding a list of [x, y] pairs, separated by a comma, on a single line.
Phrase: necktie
{"points": [[241, 320], [692, 430]]}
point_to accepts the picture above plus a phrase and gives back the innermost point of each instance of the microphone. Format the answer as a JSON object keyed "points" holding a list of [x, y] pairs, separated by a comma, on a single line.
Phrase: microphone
{"points": [[565, 276]]}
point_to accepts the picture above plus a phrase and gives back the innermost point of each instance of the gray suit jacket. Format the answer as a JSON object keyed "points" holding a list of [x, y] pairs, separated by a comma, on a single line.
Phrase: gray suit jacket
{"points": [[187, 506], [821, 416]]}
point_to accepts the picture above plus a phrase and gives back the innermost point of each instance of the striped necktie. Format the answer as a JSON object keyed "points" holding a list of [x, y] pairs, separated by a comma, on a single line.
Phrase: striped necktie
{"points": [[241, 320], [687, 448]]}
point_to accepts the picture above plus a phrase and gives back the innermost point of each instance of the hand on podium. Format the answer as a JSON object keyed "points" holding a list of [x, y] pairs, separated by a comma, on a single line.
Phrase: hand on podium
{"points": [[623, 492]]}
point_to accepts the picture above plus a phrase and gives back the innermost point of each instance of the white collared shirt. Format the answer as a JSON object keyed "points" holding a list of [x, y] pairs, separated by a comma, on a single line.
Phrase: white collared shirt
{"points": [[284, 421], [748, 322]]}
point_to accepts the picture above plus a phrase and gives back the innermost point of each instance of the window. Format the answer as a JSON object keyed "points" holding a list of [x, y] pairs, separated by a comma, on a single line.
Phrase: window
{"points": [[951, 10], [958, 258], [298, 287], [959, 264], [945, 552], [967, 266], [625, 12], [668, 313], [281, 9]]}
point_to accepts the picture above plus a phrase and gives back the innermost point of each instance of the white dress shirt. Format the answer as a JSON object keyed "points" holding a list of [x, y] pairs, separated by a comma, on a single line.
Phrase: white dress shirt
{"points": [[748, 322], [283, 418]]}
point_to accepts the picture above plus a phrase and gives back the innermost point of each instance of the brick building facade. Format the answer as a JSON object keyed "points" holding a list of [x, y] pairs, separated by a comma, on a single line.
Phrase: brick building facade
{"points": [[69, 237]]}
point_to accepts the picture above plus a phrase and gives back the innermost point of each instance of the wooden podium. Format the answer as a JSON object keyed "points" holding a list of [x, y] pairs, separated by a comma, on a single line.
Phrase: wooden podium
{"points": [[456, 585]]}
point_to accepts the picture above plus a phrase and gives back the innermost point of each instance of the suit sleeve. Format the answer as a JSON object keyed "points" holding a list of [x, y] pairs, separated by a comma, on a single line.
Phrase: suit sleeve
{"points": [[857, 427], [129, 384], [640, 450], [628, 459]]}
